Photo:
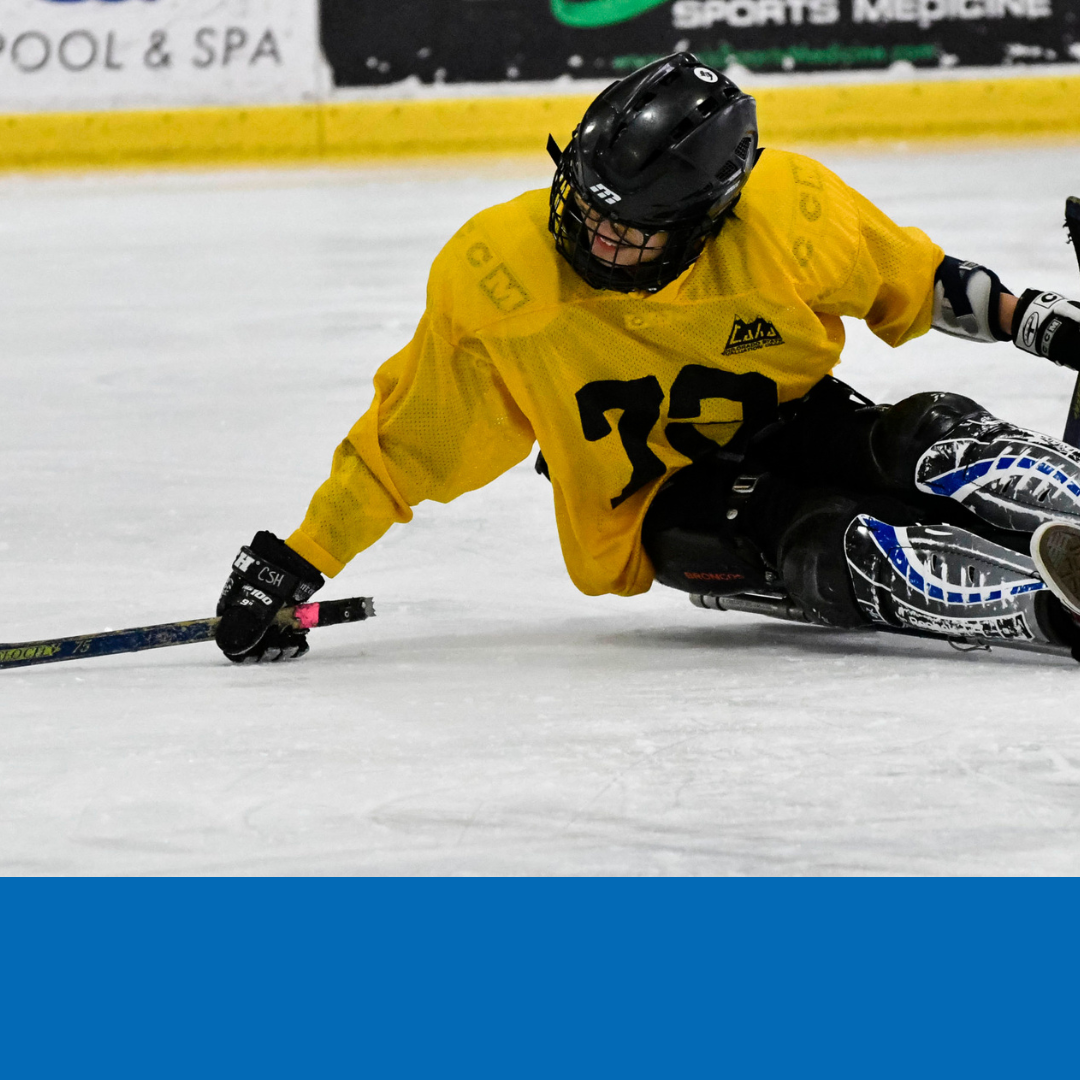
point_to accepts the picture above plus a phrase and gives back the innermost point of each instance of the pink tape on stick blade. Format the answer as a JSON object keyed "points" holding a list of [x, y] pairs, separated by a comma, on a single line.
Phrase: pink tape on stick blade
{"points": [[307, 615]]}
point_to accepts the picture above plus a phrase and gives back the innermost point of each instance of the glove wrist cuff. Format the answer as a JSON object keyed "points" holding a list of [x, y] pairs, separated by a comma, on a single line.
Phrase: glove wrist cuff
{"points": [[1036, 321], [273, 579]]}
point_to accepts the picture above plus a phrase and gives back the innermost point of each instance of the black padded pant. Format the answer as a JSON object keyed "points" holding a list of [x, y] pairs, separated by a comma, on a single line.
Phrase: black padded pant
{"points": [[832, 456]]}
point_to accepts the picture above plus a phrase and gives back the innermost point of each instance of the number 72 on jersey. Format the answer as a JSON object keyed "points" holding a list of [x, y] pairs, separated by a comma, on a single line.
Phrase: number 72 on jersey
{"points": [[641, 399]]}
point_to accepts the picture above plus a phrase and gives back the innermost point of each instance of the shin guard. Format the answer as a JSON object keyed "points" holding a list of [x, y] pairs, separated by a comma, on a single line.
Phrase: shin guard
{"points": [[943, 580], [1008, 476]]}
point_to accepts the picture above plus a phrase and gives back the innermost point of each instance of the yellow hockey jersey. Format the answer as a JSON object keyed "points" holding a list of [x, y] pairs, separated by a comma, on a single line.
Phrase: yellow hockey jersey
{"points": [[620, 390]]}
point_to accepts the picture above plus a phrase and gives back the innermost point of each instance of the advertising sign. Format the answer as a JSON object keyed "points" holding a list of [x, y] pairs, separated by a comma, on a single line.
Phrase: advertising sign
{"points": [[496, 40], [78, 55]]}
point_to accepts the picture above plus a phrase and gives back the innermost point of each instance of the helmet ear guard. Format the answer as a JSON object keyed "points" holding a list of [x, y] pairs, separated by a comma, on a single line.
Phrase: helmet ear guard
{"points": [[665, 150]]}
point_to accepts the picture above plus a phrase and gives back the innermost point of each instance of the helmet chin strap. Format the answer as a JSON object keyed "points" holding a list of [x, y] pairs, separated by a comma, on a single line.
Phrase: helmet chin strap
{"points": [[554, 151]]}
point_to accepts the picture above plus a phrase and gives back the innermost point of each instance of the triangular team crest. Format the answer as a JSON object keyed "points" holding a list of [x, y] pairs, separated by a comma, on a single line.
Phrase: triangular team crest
{"points": [[759, 333]]}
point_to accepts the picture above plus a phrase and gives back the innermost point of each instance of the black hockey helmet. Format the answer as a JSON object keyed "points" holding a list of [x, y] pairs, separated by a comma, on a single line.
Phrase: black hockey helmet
{"points": [[665, 150]]}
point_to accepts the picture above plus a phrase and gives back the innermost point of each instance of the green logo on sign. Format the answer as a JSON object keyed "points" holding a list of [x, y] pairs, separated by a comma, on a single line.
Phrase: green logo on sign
{"points": [[588, 14]]}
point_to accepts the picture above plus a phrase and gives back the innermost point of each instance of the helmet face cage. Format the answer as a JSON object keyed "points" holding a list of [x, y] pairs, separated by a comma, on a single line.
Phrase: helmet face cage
{"points": [[575, 217], [655, 166]]}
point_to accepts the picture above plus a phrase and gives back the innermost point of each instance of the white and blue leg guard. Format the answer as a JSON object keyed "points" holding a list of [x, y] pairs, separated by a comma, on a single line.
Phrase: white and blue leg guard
{"points": [[1008, 476], [941, 579]]}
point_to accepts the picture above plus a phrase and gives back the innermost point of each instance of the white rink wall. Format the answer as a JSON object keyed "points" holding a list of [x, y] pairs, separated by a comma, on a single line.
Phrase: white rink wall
{"points": [[60, 56]]}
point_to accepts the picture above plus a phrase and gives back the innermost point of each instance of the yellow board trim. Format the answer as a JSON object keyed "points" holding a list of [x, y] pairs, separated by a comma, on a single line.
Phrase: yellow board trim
{"points": [[1044, 106]]}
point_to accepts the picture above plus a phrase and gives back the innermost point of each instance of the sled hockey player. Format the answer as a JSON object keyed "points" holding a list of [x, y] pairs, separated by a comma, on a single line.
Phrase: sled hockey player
{"points": [[664, 323]]}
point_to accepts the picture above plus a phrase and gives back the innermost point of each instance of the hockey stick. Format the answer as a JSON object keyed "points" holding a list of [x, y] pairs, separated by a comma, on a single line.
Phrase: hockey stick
{"points": [[137, 639], [1072, 223]]}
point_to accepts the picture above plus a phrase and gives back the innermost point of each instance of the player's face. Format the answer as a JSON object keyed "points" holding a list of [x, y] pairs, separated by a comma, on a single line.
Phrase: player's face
{"points": [[619, 245]]}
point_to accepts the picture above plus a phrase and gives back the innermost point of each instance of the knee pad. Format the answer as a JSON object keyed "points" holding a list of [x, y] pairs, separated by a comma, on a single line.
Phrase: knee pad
{"points": [[813, 565], [904, 432], [813, 559]]}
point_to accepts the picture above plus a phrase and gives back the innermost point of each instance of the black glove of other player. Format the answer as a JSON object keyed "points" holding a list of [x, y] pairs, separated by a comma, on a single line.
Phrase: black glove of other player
{"points": [[1047, 324], [265, 577]]}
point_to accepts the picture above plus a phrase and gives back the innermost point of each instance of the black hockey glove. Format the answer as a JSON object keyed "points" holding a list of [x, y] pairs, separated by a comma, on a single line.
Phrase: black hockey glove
{"points": [[1047, 324], [265, 577]]}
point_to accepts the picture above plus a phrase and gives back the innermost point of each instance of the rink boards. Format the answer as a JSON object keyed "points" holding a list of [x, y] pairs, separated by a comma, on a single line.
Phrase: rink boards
{"points": [[1007, 107], [145, 82]]}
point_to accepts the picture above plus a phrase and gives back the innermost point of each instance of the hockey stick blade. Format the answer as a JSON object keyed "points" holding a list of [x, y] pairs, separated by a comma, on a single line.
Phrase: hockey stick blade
{"points": [[1072, 224], [140, 638]]}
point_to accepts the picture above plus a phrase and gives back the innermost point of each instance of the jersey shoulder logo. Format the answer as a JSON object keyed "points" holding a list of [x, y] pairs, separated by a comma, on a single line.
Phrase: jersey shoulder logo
{"points": [[504, 290], [759, 333]]}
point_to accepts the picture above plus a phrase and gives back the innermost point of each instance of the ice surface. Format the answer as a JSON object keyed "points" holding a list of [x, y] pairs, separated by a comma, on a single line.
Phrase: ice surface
{"points": [[181, 354]]}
